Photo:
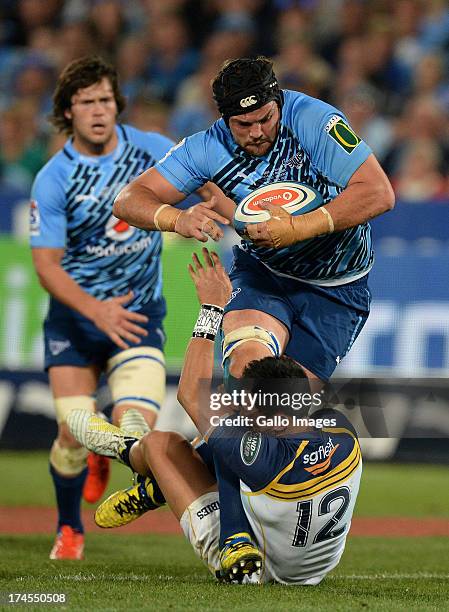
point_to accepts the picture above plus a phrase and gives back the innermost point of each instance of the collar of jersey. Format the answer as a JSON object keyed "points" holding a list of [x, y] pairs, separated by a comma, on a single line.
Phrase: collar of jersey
{"points": [[100, 159]]}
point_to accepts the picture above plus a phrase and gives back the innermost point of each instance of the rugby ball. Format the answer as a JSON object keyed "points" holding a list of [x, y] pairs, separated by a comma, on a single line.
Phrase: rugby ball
{"points": [[295, 198]]}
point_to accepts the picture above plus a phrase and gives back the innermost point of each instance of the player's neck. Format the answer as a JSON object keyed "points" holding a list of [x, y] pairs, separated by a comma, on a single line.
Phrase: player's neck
{"points": [[93, 149]]}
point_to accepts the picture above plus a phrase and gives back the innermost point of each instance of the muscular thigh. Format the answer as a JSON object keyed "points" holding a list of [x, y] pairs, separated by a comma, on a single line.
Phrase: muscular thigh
{"points": [[327, 323], [257, 299]]}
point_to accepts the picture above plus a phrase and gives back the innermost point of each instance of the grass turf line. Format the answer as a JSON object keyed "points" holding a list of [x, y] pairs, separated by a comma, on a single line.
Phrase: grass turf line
{"points": [[161, 572], [387, 489]]}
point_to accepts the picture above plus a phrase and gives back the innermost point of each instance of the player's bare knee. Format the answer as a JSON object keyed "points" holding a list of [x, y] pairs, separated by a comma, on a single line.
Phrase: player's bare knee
{"points": [[243, 355], [159, 445], [68, 461], [65, 437]]}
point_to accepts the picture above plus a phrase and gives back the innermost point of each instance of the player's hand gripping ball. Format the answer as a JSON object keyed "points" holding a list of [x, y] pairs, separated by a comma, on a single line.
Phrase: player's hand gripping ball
{"points": [[293, 198]]}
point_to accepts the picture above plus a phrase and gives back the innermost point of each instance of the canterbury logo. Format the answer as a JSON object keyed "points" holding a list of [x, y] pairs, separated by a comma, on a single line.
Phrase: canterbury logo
{"points": [[249, 101]]}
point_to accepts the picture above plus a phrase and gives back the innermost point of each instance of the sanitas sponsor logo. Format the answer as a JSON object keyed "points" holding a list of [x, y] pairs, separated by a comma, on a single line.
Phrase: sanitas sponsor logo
{"points": [[114, 250], [322, 453], [343, 134]]}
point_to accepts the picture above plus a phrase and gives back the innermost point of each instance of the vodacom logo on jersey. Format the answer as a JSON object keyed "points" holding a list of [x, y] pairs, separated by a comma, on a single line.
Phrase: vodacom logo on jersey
{"points": [[116, 229]]}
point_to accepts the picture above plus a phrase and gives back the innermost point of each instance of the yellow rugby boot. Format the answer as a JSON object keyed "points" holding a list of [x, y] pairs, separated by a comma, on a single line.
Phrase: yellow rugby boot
{"points": [[127, 505], [239, 557]]}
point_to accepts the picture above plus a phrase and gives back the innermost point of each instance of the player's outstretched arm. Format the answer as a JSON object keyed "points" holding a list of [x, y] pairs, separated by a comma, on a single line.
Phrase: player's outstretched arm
{"points": [[147, 202], [110, 316], [213, 289]]}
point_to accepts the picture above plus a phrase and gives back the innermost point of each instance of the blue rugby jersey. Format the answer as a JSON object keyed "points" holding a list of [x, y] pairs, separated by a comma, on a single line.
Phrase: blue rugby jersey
{"points": [[314, 146], [71, 208]]}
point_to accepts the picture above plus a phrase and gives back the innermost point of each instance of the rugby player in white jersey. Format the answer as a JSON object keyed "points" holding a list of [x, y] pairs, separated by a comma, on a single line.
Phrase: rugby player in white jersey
{"points": [[298, 486]]}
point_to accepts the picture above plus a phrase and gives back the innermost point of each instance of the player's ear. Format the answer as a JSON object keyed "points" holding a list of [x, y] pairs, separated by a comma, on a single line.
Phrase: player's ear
{"points": [[68, 114]]}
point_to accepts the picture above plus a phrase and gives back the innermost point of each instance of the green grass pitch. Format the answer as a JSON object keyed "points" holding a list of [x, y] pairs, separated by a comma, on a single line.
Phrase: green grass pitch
{"points": [[160, 572]]}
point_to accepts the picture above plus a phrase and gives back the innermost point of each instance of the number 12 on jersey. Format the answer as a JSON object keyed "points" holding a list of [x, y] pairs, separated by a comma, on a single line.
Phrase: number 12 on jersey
{"points": [[328, 531]]}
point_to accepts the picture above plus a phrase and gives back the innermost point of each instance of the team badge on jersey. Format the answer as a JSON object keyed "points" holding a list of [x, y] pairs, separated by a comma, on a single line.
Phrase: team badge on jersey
{"points": [[250, 447], [35, 219], [116, 229], [343, 135]]}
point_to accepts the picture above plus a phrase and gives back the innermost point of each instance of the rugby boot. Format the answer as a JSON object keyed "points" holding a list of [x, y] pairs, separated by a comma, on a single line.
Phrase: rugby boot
{"points": [[98, 472], [239, 558], [125, 506], [99, 436], [69, 544], [133, 423]]}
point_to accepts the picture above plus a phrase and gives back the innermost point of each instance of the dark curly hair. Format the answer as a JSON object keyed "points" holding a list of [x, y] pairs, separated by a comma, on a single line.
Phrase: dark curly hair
{"points": [[273, 367], [79, 74], [274, 376]]}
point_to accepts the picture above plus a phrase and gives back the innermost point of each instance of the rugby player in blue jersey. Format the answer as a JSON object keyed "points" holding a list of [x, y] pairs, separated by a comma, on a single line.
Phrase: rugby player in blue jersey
{"points": [[299, 283], [104, 277]]}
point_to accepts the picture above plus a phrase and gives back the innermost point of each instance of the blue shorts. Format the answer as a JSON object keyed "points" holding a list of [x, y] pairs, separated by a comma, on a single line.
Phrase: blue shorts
{"points": [[323, 321], [71, 339]]}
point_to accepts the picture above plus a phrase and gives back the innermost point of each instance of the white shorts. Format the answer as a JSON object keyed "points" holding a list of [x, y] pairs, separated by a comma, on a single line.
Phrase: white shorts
{"points": [[200, 523]]}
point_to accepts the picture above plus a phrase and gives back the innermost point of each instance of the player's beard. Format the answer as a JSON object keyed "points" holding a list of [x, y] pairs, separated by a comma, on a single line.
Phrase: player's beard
{"points": [[256, 151], [254, 148]]}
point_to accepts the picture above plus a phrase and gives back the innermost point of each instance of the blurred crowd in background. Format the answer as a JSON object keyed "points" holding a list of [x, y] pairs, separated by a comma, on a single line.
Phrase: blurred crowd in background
{"points": [[385, 64]]}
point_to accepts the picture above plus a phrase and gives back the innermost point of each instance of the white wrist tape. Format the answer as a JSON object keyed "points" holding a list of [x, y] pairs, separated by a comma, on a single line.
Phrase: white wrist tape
{"points": [[328, 216], [209, 322]]}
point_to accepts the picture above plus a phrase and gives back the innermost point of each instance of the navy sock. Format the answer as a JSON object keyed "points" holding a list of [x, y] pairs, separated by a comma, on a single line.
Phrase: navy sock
{"points": [[68, 498], [150, 491], [205, 452], [124, 454], [232, 515]]}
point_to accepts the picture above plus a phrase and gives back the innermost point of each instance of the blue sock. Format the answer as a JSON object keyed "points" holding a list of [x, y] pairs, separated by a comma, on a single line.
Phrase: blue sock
{"points": [[68, 498], [205, 452], [232, 515]]}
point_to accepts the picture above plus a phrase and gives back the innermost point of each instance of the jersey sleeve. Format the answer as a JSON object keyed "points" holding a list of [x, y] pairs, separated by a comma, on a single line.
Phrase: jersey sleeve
{"points": [[186, 165], [48, 220], [333, 147], [158, 144], [254, 457]]}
